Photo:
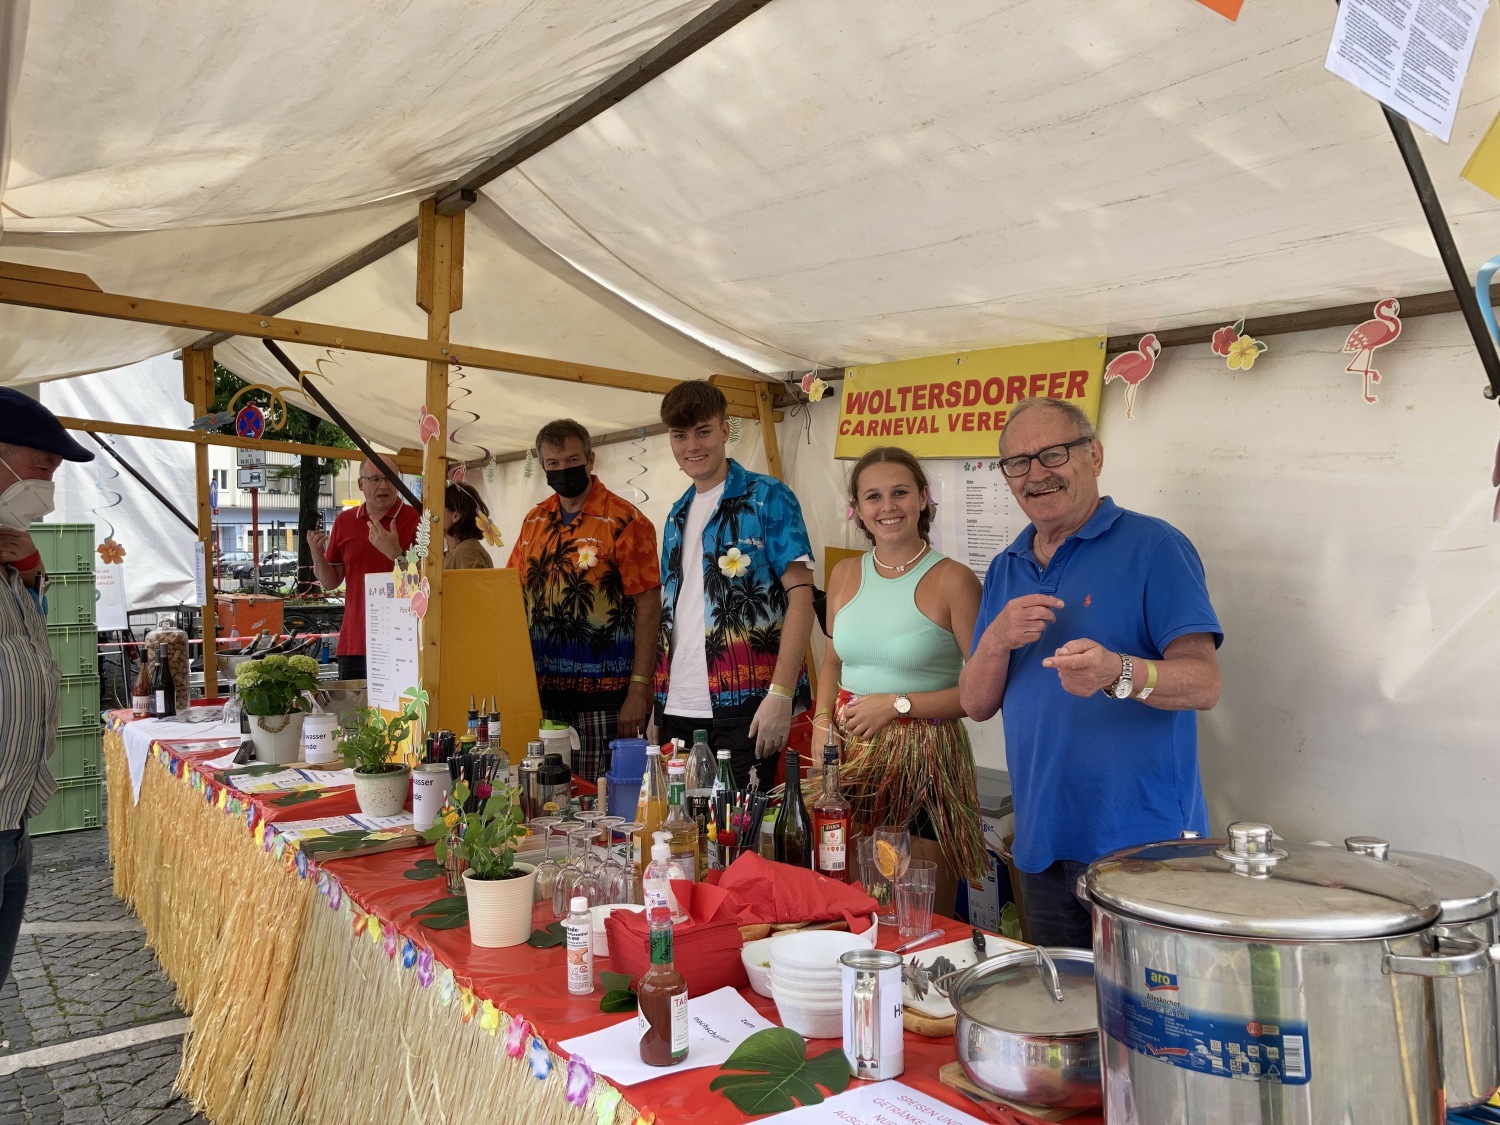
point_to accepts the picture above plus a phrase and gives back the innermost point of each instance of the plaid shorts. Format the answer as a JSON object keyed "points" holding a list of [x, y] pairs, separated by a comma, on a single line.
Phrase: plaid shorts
{"points": [[596, 729]]}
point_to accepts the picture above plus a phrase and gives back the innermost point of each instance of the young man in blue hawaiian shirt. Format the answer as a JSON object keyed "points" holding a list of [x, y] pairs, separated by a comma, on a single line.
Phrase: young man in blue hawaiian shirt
{"points": [[737, 606]]}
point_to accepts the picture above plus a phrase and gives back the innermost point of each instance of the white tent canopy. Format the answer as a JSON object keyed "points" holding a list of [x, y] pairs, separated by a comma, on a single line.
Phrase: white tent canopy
{"points": [[842, 181]]}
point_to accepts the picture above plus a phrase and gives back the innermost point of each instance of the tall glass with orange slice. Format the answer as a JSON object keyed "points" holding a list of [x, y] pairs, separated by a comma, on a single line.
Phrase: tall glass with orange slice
{"points": [[892, 855]]}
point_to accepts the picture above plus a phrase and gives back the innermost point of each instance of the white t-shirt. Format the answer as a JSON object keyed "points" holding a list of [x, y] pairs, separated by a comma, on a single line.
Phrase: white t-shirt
{"points": [[687, 689]]}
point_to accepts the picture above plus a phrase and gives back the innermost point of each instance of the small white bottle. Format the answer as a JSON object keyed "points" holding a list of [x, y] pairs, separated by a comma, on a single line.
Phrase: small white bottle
{"points": [[579, 925], [656, 884]]}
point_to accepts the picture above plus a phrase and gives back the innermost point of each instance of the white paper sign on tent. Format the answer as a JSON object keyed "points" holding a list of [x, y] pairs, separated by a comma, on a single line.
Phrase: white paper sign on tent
{"points": [[1410, 55], [109, 581], [390, 642]]}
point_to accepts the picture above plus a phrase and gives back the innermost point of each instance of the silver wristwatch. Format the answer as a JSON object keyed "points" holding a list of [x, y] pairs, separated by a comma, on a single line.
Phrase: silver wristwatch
{"points": [[903, 704], [1122, 687]]}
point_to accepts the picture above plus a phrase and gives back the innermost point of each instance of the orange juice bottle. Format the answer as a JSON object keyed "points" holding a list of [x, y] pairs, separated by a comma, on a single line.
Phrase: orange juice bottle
{"points": [[651, 806]]}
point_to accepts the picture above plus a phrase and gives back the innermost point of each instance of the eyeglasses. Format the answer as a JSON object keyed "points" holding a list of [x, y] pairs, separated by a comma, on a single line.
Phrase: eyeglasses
{"points": [[370, 480], [1051, 458]]}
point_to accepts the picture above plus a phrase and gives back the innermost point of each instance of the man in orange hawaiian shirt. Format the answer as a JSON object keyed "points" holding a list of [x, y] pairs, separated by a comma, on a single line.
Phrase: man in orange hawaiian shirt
{"points": [[592, 584]]}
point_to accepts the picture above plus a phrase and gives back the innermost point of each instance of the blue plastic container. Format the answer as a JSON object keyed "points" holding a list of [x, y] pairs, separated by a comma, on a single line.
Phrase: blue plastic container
{"points": [[624, 795], [627, 758]]}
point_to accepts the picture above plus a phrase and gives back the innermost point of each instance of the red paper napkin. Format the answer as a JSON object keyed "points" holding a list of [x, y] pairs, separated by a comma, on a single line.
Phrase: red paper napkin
{"points": [[761, 891]]}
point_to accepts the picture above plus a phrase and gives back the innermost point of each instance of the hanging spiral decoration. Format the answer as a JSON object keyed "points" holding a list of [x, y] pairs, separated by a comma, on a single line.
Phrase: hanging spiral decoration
{"points": [[109, 550], [639, 451]]}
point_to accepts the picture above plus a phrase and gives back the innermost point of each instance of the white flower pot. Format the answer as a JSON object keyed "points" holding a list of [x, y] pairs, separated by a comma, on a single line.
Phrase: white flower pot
{"points": [[277, 738], [500, 909], [382, 794]]}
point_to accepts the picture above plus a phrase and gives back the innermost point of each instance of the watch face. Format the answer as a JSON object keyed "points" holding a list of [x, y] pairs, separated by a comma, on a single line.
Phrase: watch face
{"points": [[903, 705], [1122, 689]]}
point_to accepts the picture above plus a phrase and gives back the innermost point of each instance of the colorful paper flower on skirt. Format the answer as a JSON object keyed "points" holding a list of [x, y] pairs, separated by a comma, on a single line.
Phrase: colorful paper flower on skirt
{"points": [[605, 1103], [424, 968], [588, 556], [360, 922], [734, 563], [391, 942], [645, 1117], [335, 895], [515, 1036], [445, 985], [489, 1017], [374, 929], [467, 1003], [540, 1059], [580, 1081], [303, 864], [323, 882], [408, 954]]}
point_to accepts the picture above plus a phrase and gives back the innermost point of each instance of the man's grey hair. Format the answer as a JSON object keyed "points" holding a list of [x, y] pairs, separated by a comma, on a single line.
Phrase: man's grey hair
{"points": [[1074, 413]]}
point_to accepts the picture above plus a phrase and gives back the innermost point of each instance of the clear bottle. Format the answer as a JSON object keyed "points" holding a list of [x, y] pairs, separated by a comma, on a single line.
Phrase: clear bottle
{"points": [[662, 1015], [723, 783], [579, 926], [682, 829], [651, 806], [792, 834], [700, 793], [830, 817], [656, 885]]}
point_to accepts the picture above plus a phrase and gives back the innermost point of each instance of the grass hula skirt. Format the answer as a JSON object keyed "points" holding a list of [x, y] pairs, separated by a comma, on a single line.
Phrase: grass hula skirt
{"points": [[882, 776]]}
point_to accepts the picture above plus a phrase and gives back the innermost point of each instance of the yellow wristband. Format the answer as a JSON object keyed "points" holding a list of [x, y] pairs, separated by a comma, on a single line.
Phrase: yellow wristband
{"points": [[1150, 684], [821, 711], [641, 680], [784, 692]]}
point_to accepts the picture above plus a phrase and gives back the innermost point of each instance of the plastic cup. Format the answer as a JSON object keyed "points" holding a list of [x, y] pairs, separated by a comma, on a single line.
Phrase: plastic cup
{"points": [[914, 892], [429, 789]]}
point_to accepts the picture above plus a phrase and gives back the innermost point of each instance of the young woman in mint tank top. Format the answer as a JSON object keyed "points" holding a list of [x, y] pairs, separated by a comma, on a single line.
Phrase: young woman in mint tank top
{"points": [[901, 618]]}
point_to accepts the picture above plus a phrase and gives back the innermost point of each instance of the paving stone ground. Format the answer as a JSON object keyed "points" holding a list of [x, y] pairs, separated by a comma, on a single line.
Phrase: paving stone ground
{"points": [[68, 986]]}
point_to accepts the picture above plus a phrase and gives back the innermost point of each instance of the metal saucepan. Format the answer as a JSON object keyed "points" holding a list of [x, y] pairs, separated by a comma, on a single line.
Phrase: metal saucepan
{"points": [[1017, 1040]]}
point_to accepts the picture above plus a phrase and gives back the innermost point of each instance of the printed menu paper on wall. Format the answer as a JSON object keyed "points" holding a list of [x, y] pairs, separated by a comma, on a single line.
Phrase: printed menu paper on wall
{"points": [[390, 642], [955, 405], [1410, 55]]}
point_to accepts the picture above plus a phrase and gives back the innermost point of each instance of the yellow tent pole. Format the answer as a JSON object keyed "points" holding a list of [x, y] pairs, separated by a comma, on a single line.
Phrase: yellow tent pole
{"points": [[440, 266], [197, 385]]}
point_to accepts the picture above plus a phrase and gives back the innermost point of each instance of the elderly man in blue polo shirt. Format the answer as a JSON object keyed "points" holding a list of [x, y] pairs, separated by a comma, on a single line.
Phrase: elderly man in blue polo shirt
{"points": [[1097, 643], [32, 446]]}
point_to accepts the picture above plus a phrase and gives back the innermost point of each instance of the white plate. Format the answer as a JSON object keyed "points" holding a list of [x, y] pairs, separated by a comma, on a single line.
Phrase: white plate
{"points": [[962, 954]]}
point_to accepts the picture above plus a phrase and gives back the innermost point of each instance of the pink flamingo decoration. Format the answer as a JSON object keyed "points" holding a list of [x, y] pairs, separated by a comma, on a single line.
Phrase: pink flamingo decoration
{"points": [[1133, 367], [1370, 335]]}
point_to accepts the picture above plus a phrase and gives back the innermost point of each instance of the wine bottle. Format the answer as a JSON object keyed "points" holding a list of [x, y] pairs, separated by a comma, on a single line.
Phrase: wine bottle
{"points": [[140, 694], [792, 835], [830, 817], [163, 689]]}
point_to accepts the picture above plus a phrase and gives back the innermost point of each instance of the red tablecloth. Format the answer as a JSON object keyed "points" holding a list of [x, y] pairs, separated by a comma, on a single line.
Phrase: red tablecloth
{"points": [[531, 982]]}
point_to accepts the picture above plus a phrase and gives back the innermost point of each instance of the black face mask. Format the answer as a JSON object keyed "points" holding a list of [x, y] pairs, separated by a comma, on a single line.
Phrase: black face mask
{"points": [[569, 483]]}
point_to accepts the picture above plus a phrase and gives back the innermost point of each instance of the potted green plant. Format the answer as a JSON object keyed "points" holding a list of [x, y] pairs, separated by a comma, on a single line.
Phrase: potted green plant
{"points": [[380, 783], [481, 829], [272, 693]]}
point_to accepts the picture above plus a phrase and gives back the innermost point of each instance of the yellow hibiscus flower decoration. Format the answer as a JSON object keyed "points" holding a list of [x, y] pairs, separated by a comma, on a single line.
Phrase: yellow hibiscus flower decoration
{"points": [[735, 563], [1243, 353], [487, 528], [588, 556]]}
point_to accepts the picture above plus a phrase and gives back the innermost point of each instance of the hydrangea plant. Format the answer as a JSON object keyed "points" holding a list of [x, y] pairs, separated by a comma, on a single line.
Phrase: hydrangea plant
{"points": [[273, 685]]}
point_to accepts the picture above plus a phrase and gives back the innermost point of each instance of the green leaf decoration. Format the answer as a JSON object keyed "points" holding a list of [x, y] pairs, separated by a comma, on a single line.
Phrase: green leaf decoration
{"points": [[1239, 327], [547, 937], [612, 981], [335, 842], [425, 869], [776, 1074], [446, 913], [1262, 346], [297, 797], [619, 1000]]}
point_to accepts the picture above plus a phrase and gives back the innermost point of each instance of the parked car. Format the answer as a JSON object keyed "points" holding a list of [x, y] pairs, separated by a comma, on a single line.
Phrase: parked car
{"points": [[275, 564], [229, 559]]}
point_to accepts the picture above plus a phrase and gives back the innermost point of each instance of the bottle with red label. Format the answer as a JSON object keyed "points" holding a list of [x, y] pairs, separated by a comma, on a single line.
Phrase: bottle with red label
{"points": [[830, 817]]}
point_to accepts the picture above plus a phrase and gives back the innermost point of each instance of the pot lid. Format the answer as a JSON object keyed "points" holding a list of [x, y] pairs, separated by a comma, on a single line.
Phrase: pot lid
{"points": [[1033, 991], [1465, 893], [1252, 886]]}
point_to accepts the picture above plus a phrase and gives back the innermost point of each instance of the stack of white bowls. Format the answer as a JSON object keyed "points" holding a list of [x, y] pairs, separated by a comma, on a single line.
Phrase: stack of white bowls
{"points": [[807, 981]]}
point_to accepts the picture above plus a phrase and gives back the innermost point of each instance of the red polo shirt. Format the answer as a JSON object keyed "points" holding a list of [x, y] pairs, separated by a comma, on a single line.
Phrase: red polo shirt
{"points": [[349, 547]]}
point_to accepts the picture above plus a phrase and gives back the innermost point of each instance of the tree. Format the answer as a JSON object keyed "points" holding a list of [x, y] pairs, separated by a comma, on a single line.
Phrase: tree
{"points": [[300, 427]]}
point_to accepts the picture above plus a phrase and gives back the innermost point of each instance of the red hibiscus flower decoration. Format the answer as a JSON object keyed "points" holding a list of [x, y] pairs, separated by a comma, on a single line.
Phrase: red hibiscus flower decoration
{"points": [[1226, 336]]}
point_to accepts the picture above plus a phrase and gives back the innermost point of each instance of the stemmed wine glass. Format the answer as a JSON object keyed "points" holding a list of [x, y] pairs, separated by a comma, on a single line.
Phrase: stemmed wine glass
{"points": [[560, 892], [625, 883], [547, 869], [611, 863], [590, 819], [580, 880]]}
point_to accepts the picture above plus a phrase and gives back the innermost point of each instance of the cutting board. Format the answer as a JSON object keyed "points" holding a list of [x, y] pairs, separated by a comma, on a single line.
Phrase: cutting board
{"points": [[962, 954]]}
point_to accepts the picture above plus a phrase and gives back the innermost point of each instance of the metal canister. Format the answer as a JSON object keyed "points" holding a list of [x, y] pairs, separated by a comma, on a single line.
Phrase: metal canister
{"points": [[529, 775], [873, 1035], [1469, 900]]}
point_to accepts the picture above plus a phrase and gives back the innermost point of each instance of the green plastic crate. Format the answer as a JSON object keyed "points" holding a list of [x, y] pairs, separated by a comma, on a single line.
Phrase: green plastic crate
{"points": [[70, 599], [75, 805], [79, 755], [78, 702], [66, 548], [75, 648]]}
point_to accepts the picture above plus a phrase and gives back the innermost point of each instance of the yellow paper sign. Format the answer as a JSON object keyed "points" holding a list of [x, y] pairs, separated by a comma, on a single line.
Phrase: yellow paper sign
{"points": [[1483, 168], [956, 405]]}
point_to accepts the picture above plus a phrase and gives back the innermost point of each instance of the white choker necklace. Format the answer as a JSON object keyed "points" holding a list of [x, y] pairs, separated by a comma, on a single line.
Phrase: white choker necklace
{"points": [[899, 568]]}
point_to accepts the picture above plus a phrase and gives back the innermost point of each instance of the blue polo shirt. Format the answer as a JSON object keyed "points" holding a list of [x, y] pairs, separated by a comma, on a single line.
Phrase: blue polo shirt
{"points": [[1096, 774]]}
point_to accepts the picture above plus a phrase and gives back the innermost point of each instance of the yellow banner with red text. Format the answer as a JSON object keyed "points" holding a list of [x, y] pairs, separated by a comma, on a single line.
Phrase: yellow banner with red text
{"points": [[956, 405]]}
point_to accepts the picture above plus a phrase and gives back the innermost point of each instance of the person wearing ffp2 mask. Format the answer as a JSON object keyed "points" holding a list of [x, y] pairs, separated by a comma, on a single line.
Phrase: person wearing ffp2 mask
{"points": [[32, 445]]}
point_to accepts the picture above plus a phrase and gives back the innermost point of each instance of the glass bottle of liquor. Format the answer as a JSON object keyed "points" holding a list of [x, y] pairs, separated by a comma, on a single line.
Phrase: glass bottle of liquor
{"points": [[830, 817], [662, 996], [792, 834], [700, 793], [140, 694], [681, 828]]}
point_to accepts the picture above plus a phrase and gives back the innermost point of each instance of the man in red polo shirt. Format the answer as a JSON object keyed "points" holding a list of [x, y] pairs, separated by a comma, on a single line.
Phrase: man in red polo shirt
{"points": [[365, 540]]}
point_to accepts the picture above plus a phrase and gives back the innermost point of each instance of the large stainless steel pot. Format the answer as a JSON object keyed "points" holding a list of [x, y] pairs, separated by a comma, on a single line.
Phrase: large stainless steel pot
{"points": [[1244, 981], [1027, 1026], [1469, 900]]}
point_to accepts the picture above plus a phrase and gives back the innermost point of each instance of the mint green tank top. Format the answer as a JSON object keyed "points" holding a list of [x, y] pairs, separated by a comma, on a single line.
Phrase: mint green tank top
{"points": [[887, 644]]}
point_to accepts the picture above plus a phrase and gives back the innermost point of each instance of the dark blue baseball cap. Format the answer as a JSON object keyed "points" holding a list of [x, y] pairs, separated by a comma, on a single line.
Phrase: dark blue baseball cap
{"points": [[24, 421]]}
